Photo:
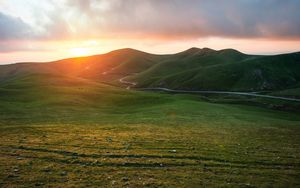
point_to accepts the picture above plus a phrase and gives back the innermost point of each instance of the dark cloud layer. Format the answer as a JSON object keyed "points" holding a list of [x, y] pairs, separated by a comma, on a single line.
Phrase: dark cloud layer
{"points": [[164, 19], [13, 28], [195, 18]]}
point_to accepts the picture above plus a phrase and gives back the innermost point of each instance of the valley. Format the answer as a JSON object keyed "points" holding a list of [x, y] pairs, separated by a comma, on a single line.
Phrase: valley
{"points": [[96, 121]]}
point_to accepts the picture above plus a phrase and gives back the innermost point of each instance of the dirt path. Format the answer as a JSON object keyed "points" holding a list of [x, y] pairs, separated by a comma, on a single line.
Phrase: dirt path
{"points": [[128, 83], [252, 94]]}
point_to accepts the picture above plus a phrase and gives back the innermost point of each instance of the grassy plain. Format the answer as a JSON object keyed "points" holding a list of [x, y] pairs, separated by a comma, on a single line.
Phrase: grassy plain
{"points": [[67, 132]]}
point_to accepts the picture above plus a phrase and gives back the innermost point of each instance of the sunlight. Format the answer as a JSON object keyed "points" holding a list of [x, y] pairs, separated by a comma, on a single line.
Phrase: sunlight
{"points": [[77, 52]]}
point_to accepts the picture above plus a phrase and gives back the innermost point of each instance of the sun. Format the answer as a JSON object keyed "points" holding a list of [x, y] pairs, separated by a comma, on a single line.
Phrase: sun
{"points": [[77, 52]]}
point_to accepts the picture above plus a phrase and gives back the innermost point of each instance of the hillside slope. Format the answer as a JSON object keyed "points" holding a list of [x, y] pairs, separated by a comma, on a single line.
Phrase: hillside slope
{"points": [[55, 98], [120, 62], [225, 70], [193, 69]]}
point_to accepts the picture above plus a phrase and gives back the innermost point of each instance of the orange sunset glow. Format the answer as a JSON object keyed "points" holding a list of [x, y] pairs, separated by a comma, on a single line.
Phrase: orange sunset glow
{"points": [[33, 30]]}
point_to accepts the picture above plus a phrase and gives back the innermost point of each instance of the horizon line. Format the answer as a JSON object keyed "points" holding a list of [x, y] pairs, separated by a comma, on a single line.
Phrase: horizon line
{"points": [[128, 48]]}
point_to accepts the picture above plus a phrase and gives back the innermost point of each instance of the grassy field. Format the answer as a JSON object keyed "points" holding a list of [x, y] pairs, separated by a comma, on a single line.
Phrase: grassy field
{"points": [[153, 155], [67, 132]]}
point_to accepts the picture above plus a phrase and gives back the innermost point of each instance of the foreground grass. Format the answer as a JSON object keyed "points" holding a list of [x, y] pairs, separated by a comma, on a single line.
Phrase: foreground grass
{"points": [[149, 155], [70, 133]]}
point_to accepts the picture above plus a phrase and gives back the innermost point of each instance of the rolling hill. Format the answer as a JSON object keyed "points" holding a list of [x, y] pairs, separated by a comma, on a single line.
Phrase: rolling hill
{"points": [[91, 67], [193, 69], [226, 70], [68, 123]]}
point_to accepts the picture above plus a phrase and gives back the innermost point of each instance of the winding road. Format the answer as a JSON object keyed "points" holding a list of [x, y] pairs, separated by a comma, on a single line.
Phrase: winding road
{"points": [[128, 83], [253, 94]]}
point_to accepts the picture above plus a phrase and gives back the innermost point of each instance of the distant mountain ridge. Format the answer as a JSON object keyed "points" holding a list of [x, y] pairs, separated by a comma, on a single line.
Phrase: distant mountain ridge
{"points": [[192, 69], [226, 70]]}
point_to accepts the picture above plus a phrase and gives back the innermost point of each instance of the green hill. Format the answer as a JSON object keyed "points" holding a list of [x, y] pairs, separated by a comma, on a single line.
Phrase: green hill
{"points": [[121, 62], [224, 70], [65, 124], [35, 98], [193, 69]]}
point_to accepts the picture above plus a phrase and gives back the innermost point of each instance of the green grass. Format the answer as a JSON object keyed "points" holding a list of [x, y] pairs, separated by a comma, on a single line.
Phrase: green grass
{"points": [[62, 131], [193, 69], [295, 92], [152, 155], [64, 124], [226, 70]]}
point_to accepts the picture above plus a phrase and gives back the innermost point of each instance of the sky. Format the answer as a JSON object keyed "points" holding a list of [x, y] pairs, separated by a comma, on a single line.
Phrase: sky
{"points": [[46, 30]]}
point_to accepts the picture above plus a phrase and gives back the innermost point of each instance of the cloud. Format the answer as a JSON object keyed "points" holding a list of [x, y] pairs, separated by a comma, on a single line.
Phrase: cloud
{"points": [[156, 19], [187, 18], [13, 28]]}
